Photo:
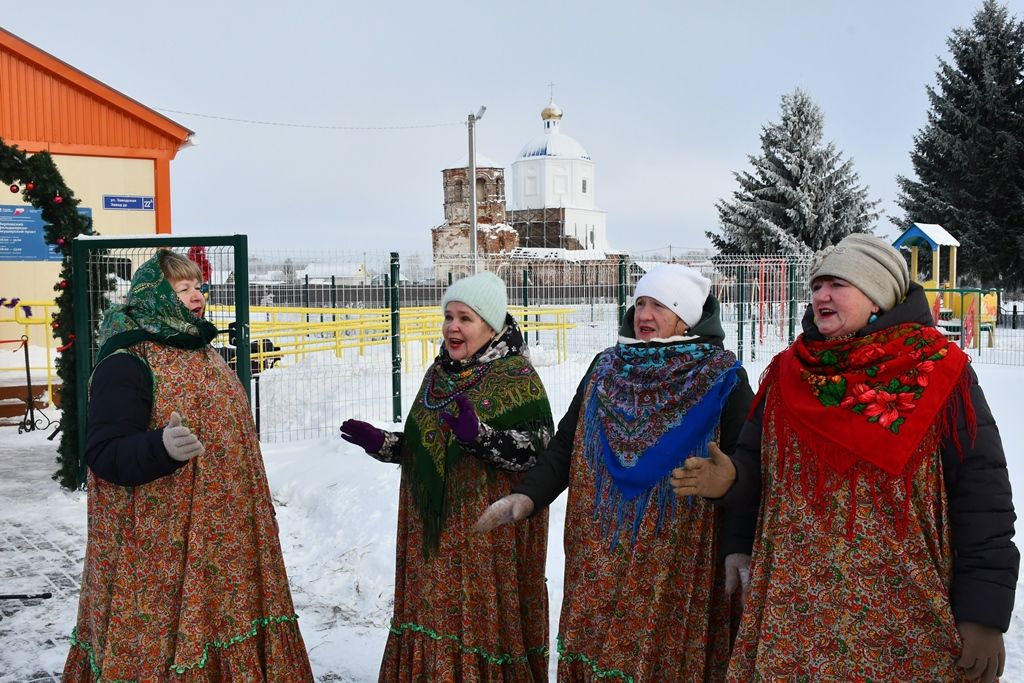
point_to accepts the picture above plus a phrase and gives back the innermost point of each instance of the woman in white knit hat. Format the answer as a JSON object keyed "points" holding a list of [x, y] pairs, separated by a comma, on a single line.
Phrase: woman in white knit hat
{"points": [[468, 607], [644, 596], [883, 548]]}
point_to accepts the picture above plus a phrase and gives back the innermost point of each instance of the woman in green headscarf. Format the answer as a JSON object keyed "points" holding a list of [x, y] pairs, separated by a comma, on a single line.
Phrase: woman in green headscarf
{"points": [[183, 578]]}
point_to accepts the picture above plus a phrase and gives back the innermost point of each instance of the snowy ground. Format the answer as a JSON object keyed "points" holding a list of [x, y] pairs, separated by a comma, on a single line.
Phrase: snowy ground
{"points": [[336, 510]]}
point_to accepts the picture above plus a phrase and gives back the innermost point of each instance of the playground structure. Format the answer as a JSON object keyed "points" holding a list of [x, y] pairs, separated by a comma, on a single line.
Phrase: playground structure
{"points": [[963, 314]]}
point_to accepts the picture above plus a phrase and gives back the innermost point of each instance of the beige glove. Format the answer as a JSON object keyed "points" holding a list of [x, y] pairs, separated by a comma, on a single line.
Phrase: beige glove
{"points": [[737, 574], [511, 508], [984, 653], [709, 477], [179, 441]]}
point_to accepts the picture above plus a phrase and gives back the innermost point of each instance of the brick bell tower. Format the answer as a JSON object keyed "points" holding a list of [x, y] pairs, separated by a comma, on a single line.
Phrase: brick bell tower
{"points": [[450, 240]]}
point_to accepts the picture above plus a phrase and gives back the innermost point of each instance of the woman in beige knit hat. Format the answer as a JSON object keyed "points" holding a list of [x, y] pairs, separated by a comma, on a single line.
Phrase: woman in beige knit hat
{"points": [[883, 547]]}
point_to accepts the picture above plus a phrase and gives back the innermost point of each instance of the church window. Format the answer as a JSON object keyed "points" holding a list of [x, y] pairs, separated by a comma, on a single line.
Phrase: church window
{"points": [[458, 191], [584, 186]]}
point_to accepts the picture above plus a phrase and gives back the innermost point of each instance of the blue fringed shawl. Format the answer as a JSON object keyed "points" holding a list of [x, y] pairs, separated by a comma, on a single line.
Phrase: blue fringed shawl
{"points": [[646, 410]]}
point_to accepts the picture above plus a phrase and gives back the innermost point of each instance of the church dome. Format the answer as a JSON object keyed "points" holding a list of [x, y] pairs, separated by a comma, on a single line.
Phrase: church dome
{"points": [[551, 143], [552, 111]]}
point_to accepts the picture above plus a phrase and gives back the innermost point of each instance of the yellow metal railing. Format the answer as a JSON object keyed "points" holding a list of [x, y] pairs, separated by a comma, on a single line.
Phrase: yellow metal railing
{"points": [[299, 331], [39, 322]]}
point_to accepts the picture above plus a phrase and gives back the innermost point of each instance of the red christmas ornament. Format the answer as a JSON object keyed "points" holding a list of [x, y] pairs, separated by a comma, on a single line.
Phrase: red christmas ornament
{"points": [[63, 284], [15, 188], [30, 186], [60, 241], [58, 200], [55, 324]]}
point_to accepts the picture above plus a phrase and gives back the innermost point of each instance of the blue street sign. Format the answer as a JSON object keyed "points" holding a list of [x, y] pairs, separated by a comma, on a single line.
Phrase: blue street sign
{"points": [[123, 202]]}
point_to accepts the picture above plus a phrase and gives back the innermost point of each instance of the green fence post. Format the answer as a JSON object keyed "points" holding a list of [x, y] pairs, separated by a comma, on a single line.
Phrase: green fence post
{"points": [[526, 297], [396, 344], [305, 295], [741, 278], [334, 298], [242, 335], [83, 349], [622, 290]]}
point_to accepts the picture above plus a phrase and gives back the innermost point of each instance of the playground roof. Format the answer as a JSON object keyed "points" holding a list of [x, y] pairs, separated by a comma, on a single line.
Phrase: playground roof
{"points": [[931, 234]]}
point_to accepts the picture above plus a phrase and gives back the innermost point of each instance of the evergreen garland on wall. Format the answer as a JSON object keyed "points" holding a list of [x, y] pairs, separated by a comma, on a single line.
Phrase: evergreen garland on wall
{"points": [[39, 182]]}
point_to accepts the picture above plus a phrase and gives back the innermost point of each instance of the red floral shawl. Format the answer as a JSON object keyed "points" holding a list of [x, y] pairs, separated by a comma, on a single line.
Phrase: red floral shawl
{"points": [[886, 399]]}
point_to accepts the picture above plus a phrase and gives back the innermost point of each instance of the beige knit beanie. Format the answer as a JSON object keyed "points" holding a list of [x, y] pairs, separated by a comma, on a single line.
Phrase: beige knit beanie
{"points": [[869, 264]]}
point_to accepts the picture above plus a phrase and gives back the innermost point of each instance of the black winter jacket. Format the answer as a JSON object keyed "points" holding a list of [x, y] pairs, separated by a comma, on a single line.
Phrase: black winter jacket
{"points": [[981, 512], [119, 446]]}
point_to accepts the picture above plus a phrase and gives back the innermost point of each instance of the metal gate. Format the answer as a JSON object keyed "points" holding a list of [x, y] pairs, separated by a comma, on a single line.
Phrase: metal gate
{"points": [[102, 271]]}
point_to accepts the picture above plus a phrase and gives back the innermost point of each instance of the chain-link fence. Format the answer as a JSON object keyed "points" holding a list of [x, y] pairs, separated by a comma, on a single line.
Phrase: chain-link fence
{"points": [[333, 335]]}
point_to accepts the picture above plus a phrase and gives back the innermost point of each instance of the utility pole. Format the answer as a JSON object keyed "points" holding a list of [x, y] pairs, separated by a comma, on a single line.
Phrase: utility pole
{"points": [[471, 179]]}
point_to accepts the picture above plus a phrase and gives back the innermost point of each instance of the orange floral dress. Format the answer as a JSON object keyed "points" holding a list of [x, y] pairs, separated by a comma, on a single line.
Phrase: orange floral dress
{"points": [[184, 578], [825, 605], [651, 606], [853, 559], [477, 609], [469, 607]]}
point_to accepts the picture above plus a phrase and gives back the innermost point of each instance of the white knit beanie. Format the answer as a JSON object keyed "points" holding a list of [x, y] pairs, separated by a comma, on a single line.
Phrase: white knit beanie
{"points": [[868, 263], [484, 293], [681, 288]]}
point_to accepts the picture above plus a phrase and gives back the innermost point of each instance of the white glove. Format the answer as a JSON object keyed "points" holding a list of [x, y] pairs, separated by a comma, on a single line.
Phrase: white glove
{"points": [[737, 574], [511, 508], [179, 441]]}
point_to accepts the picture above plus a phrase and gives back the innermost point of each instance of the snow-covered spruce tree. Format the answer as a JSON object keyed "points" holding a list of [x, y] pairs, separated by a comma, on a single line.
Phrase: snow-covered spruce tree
{"points": [[801, 195], [969, 157]]}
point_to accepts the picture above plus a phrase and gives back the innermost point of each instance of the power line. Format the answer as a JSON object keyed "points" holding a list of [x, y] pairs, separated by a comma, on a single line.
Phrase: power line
{"points": [[283, 124]]}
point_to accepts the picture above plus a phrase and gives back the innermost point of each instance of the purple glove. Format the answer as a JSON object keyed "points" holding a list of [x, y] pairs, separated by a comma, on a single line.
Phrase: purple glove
{"points": [[466, 425], [362, 434]]}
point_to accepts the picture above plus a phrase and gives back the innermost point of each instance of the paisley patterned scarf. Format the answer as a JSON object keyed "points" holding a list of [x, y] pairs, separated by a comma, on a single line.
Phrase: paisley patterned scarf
{"points": [[885, 399], [152, 312], [506, 393], [647, 409]]}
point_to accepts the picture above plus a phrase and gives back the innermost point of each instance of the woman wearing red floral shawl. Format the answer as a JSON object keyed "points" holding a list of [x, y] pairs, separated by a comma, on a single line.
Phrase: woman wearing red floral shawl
{"points": [[883, 543]]}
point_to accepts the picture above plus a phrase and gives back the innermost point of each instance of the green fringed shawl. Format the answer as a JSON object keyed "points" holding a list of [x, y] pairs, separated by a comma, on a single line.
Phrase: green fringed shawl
{"points": [[509, 395], [152, 312]]}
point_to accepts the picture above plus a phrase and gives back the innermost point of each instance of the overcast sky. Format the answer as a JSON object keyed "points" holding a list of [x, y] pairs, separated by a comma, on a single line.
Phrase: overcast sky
{"points": [[668, 98]]}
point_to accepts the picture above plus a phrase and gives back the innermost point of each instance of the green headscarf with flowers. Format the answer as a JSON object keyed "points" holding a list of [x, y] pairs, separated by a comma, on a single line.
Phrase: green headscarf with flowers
{"points": [[152, 312]]}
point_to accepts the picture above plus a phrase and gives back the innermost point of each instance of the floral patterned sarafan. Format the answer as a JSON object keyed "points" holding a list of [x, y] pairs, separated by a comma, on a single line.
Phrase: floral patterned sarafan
{"points": [[853, 558], [184, 578], [651, 607], [469, 607]]}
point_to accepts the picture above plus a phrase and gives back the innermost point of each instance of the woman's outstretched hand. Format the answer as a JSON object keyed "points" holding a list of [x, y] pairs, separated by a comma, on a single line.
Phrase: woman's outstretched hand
{"points": [[511, 508], [362, 434], [707, 477]]}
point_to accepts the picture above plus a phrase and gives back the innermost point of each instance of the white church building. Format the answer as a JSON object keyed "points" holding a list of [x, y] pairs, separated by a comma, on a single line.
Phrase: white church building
{"points": [[548, 212], [552, 199]]}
